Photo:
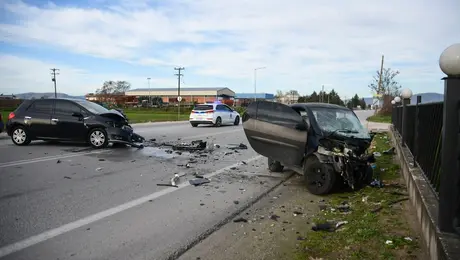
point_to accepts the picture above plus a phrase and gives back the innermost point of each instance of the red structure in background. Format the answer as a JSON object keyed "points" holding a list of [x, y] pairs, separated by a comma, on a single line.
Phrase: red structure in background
{"points": [[115, 100]]}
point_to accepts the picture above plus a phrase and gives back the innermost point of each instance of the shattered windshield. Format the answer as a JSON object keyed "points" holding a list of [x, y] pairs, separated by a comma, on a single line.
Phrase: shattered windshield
{"points": [[340, 121]]}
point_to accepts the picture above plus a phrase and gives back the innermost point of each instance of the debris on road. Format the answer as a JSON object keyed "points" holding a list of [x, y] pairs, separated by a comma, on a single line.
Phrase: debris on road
{"points": [[237, 146], [175, 179], [67, 177], [58, 161], [99, 169], [199, 181], [167, 185], [238, 220], [197, 145], [101, 159]]}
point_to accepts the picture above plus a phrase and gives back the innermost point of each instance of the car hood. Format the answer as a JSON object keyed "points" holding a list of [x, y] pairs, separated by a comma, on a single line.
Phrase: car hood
{"points": [[114, 114]]}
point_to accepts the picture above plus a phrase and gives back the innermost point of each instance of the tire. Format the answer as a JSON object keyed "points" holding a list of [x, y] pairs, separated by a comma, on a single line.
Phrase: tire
{"points": [[194, 125], [366, 178], [20, 136], [218, 122], [237, 121], [98, 138], [319, 185], [274, 166]]}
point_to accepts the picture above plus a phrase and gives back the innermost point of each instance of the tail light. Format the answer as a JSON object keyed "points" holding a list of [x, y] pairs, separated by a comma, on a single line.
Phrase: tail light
{"points": [[209, 111], [11, 116]]}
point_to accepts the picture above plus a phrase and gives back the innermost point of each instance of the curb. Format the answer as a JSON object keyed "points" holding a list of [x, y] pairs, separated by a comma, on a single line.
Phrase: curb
{"points": [[160, 123]]}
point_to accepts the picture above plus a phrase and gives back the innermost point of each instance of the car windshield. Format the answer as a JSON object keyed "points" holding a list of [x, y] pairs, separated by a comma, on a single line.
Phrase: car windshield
{"points": [[93, 107], [340, 121]]}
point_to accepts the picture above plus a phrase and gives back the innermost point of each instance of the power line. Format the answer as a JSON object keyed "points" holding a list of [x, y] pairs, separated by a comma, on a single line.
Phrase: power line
{"points": [[54, 72]]}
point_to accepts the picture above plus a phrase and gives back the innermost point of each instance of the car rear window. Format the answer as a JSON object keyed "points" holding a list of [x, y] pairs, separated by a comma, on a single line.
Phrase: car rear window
{"points": [[203, 107]]}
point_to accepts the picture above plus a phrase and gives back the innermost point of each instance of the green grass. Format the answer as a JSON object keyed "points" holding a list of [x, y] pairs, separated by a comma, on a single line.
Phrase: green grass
{"points": [[366, 232], [380, 118], [141, 117], [5, 114]]}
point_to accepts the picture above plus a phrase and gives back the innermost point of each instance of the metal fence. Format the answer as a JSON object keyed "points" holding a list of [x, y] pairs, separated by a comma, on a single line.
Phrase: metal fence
{"points": [[423, 136]]}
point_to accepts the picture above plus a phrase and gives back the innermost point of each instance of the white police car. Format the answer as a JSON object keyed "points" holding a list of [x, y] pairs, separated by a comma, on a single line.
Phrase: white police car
{"points": [[216, 114]]}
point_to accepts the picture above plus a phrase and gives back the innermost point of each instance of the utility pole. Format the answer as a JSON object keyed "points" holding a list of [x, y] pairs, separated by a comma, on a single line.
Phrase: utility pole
{"points": [[322, 94], [379, 89], [54, 72], [150, 99], [179, 75]]}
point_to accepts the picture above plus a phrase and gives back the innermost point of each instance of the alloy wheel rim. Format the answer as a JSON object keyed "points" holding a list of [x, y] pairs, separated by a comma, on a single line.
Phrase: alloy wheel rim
{"points": [[19, 136], [97, 138]]}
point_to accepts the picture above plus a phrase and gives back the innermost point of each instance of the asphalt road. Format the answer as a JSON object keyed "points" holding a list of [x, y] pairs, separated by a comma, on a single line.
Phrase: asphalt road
{"points": [[65, 201]]}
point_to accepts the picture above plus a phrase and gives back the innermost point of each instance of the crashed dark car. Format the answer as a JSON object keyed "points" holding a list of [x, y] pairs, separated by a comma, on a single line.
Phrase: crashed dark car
{"points": [[326, 143], [69, 120]]}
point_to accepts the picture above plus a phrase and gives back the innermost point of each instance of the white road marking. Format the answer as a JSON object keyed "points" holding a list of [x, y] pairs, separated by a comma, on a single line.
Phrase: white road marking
{"points": [[48, 158], [28, 242]]}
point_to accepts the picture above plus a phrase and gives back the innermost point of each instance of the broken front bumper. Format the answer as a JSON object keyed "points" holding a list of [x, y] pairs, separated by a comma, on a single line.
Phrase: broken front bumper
{"points": [[124, 135]]}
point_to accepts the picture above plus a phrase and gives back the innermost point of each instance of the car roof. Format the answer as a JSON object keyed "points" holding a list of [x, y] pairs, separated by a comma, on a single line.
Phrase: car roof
{"points": [[319, 105], [68, 99]]}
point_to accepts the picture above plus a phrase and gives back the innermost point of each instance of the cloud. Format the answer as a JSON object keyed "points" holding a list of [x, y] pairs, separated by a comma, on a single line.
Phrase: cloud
{"points": [[302, 43], [35, 76]]}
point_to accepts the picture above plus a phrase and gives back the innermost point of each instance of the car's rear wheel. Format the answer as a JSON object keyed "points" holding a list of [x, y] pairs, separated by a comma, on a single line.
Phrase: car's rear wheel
{"points": [[320, 178], [237, 121], [20, 136], [194, 124], [98, 138], [218, 121], [274, 166]]}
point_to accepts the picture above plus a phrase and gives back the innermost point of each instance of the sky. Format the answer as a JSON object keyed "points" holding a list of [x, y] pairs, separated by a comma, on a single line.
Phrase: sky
{"points": [[303, 44]]}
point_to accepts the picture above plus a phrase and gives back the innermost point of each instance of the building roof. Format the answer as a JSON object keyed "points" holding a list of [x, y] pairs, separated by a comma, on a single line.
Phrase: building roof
{"points": [[174, 89], [257, 95]]}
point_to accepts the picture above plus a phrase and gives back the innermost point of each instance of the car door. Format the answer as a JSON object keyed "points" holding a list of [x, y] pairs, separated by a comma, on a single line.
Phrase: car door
{"points": [[37, 118], [221, 112], [229, 114], [276, 131], [68, 125]]}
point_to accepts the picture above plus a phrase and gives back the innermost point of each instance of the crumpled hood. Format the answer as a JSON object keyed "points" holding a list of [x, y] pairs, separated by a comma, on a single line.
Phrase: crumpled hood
{"points": [[114, 114]]}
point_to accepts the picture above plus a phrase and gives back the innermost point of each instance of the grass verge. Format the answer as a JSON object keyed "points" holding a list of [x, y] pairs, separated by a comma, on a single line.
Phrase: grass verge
{"points": [[380, 118], [5, 114], [135, 117], [376, 217]]}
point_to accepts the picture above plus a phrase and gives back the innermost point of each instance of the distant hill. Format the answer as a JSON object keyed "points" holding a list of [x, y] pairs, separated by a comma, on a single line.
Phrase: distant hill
{"points": [[426, 98], [30, 95]]}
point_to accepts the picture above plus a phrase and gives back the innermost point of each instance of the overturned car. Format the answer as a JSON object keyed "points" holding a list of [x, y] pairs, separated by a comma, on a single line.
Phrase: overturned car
{"points": [[75, 120], [324, 142]]}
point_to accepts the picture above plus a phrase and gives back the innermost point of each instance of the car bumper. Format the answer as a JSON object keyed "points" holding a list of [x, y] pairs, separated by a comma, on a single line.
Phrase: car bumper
{"points": [[123, 135], [202, 122]]}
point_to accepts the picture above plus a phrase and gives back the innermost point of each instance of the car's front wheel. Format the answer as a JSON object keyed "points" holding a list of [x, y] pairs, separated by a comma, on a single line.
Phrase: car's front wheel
{"points": [[320, 178], [98, 138], [20, 136]]}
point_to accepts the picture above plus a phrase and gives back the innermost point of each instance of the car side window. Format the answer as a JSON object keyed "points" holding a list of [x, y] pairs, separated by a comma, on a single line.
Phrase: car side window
{"points": [[277, 113], [41, 106], [66, 108], [227, 108], [219, 107]]}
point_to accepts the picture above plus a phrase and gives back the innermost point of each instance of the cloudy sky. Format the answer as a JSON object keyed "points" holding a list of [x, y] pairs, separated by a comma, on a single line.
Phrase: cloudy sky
{"points": [[302, 43]]}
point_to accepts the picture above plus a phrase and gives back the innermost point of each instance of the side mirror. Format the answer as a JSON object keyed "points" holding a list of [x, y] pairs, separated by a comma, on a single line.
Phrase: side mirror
{"points": [[76, 114]]}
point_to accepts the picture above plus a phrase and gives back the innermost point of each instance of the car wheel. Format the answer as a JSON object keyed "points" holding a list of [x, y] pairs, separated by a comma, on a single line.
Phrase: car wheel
{"points": [[218, 121], [20, 136], [237, 121], [194, 125], [366, 177], [98, 138], [274, 166], [319, 178]]}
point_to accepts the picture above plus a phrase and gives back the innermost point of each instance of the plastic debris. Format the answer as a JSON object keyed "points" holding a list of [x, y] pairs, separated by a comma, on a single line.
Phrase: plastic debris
{"points": [[199, 181]]}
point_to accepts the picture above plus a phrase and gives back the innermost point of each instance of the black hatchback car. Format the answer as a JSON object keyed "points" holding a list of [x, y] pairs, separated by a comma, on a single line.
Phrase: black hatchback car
{"points": [[69, 120]]}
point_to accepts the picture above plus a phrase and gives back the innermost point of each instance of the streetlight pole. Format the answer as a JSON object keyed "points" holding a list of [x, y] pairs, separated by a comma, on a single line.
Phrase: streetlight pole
{"points": [[255, 82], [150, 99], [449, 193]]}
